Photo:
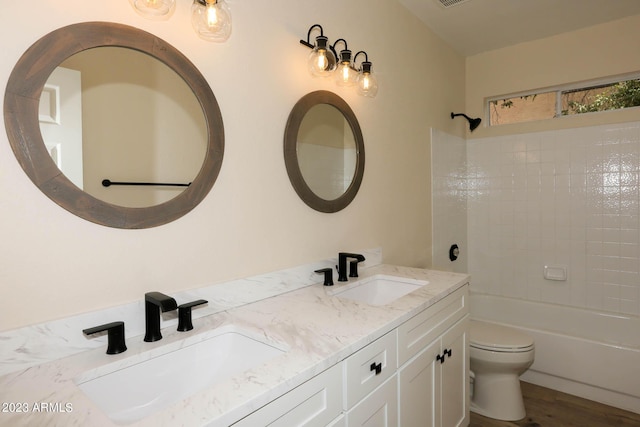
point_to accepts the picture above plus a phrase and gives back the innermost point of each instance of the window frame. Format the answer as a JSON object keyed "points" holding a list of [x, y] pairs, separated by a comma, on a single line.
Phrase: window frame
{"points": [[559, 90]]}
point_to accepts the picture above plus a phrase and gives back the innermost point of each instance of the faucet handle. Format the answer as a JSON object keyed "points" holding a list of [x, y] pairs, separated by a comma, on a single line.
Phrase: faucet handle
{"points": [[115, 336], [353, 268], [184, 314], [328, 275]]}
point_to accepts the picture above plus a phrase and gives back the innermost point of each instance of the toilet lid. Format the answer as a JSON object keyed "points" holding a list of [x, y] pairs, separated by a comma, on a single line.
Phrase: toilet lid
{"points": [[500, 338]]}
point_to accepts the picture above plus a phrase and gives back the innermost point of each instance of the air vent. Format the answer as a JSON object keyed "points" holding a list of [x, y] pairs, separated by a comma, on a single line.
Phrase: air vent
{"points": [[450, 3]]}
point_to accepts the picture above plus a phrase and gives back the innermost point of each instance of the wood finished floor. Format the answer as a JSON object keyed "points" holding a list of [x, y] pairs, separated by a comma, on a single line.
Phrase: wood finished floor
{"points": [[550, 408]]}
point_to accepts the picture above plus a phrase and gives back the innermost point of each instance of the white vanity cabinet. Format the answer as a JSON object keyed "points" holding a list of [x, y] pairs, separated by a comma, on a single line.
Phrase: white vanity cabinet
{"points": [[378, 409], [415, 375], [371, 395], [315, 403], [433, 379]]}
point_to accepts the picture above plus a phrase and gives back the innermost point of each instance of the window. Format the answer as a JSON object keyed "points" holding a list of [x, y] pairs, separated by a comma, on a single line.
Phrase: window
{"points": [[563, 101]]}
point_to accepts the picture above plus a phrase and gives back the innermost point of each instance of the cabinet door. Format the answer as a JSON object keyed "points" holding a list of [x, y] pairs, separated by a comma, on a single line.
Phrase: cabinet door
{"points": [[455, 376], [418, 391], [424, 328], [379, 409], [341, 421], [315, 403]]}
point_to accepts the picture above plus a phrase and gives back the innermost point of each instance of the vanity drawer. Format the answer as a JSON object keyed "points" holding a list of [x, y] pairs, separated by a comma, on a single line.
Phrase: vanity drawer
{"points": [[419, 331], [370, 367]]}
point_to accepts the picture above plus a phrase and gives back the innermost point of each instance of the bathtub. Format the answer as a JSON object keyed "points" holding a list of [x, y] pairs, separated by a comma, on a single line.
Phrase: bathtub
{"points": [[591, 354]]}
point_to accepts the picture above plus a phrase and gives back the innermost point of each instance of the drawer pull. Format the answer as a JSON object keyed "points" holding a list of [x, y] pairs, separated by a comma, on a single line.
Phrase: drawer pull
{"points": [[441, 357], [376, 367]]}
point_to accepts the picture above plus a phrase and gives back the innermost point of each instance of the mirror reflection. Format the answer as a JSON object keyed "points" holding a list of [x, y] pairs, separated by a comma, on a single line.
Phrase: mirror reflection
{"points": [[120, 114], [326, 151]]}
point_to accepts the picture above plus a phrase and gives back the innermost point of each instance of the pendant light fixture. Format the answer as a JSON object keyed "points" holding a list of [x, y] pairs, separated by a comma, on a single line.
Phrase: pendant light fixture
{"points": [[367, 84], [211, 19], [321, 61], [345, 74]]}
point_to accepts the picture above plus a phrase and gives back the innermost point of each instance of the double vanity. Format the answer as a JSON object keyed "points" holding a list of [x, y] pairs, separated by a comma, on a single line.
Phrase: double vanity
{"points": [[386, 348]]}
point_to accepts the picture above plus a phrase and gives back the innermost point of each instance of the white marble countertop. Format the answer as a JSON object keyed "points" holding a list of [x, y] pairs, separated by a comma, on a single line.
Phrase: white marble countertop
{"points": [[319, 330]]}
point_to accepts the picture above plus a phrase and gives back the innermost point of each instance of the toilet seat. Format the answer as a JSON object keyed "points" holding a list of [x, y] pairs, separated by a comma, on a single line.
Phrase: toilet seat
{"points": [[493, 337]]}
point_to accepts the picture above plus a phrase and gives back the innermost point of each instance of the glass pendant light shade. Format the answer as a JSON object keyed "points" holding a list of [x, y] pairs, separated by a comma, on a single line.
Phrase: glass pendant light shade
{"points": [[321, 60], [211, 20], [367, 84], [345, 74], [154, 9]]}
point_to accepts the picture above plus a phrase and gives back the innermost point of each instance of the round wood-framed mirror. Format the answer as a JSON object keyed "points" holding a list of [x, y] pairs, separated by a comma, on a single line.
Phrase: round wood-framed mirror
{"points": [[324, 151], [21, 114]]}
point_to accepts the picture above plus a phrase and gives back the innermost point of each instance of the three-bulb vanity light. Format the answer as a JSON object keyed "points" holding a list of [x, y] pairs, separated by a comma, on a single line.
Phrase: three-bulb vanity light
{"points": [[324, 61], [211, 19]]}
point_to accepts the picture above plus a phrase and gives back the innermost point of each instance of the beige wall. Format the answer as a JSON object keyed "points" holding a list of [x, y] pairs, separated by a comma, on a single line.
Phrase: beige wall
{"points": [[53, 264], [158, 135], [600, 51]]}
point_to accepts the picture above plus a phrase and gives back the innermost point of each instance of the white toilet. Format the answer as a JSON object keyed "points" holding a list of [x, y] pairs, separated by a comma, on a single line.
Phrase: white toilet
{"points": [[499, 355]]}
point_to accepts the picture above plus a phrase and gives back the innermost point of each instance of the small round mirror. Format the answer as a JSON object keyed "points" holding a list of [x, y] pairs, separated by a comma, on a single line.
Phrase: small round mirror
{"points": [[324, 151]]}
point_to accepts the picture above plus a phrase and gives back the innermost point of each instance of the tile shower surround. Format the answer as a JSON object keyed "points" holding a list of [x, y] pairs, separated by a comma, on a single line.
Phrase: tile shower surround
{"points": [[567, 197], [449, 195]]}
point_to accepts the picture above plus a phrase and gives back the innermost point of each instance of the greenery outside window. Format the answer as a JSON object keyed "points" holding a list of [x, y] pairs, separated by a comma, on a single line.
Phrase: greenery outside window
{"points": [[567, 100]]}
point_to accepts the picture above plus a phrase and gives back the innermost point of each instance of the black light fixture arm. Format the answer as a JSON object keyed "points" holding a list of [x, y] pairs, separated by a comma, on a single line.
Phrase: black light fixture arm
{"points": [[333, 46], [365, 65], [366, 57], [308, 43], [345, 50]]}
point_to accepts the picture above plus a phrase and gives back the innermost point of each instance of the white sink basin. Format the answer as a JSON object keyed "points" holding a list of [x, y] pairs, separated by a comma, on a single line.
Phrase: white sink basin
{"points": [[379, 289], [147, 385]]}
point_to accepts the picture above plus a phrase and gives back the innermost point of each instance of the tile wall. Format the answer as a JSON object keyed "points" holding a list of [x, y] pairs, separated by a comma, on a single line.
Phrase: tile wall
{"points": [[567, 198], [449, 200]]}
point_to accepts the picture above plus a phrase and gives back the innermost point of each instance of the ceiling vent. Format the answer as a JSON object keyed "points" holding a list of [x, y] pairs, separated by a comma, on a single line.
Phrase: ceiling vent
{"points": [[450, 3]]}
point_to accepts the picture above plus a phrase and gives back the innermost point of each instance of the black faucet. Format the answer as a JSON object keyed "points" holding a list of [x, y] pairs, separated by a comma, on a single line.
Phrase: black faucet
{"points": [[342, 265], [115, 336], [154, 302], [328, 276], [185, 322]]}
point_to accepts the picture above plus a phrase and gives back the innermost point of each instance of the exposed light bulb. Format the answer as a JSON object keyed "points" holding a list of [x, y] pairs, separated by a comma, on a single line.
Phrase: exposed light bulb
{"points": [[345, 74], [321, 61], [211, 19], [367, 84], [212, 15]]}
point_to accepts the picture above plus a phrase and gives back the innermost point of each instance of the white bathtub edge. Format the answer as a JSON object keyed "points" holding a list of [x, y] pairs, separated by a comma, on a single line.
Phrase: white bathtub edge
{"points": [[591, 354]]}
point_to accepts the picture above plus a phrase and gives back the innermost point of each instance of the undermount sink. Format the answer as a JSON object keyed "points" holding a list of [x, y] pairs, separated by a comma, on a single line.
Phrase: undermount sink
{"points": [[379, 289], [148, 384]]}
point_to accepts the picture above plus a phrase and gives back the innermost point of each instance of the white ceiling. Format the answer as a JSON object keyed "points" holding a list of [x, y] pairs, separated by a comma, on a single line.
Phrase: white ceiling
{"points": [[474, 26]]}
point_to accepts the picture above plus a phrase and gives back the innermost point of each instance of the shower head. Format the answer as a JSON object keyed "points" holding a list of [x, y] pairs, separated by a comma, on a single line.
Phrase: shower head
{"points": [[473, 123]]}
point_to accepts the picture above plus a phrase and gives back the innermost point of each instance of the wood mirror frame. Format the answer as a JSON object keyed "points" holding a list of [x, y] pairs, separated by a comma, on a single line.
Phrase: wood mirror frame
{"points": [[21, 103], [291, 153]]}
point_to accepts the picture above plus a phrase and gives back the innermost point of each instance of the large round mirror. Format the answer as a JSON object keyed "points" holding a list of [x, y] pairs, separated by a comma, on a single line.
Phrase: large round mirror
{"points": [[324, 151], [141, 141]]}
